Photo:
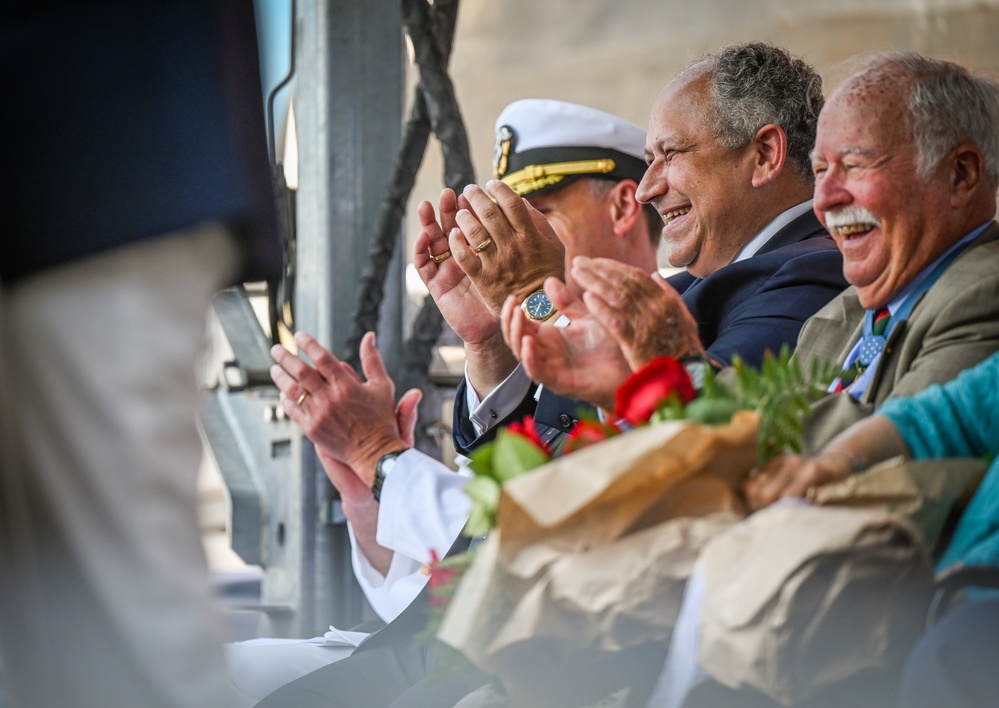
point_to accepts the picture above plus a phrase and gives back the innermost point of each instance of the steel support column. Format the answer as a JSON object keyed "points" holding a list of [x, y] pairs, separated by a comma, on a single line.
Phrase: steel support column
{"points": [[349, 115]]}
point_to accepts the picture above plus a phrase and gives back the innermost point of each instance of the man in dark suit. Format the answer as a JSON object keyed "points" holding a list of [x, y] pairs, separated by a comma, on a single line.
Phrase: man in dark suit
{"points": [[139, 185], [728, 171]]}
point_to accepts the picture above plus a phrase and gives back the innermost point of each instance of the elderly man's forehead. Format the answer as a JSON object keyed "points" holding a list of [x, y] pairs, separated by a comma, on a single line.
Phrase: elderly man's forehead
{"points": [[871, 105], [881, 86]]}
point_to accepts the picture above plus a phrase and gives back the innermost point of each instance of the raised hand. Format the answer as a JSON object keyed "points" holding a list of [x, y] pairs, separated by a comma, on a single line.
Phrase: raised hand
{"points": [[458, 300], [352, 421], [507, 247], [582, 360], [646, 316], [488, 361]]}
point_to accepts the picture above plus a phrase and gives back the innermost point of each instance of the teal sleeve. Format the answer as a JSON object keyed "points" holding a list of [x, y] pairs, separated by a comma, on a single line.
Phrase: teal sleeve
{"points": [[976, 539], [957, 419]]}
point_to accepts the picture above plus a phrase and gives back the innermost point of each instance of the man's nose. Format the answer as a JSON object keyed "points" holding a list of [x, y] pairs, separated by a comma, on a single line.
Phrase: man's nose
{"points": [[830, 191]]}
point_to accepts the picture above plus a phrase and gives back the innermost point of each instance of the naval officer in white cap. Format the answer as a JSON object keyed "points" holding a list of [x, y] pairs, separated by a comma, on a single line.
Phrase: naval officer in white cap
{"points": [[580, 168]]}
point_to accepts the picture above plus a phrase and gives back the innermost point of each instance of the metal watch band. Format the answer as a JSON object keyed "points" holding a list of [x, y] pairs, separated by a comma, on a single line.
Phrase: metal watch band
{"points": [[382, 470]]}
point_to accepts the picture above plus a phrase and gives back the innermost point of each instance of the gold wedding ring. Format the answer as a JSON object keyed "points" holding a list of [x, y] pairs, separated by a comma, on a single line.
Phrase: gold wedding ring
{"points": [[483, 246], [441, 258], [302, 398]]}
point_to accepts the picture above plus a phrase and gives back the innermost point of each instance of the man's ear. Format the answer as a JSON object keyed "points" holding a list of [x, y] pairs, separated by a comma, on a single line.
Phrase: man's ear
{"points": [[967, 170], [624, 207], [769, 154]]}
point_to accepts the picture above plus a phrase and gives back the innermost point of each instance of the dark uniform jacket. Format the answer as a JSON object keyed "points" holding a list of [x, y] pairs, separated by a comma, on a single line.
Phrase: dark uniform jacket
{"points": [[745, 308]]}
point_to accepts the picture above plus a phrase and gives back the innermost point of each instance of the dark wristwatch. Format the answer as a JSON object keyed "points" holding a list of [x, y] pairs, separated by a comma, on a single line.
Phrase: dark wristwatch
{"points": [[537, 306], [382, 470]]}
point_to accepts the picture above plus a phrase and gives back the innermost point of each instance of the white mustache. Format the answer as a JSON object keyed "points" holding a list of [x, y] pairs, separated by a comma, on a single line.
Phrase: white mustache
{"points": [[848, 216]]}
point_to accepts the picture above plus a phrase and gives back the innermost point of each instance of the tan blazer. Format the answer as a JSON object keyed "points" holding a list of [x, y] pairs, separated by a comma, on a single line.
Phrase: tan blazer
{"points": [[954, 325]]}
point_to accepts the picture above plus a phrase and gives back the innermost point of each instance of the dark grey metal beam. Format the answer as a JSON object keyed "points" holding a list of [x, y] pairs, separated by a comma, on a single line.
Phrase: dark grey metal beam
{"points": [[285, 516], [348, 105]]}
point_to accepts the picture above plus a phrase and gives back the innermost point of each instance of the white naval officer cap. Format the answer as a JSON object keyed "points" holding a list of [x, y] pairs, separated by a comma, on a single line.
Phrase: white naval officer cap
{"points": [[542, 144]]}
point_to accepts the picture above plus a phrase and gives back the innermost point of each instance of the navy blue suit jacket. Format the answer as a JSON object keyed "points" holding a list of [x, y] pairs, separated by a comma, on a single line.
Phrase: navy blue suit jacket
{"points": [[745, 308]]}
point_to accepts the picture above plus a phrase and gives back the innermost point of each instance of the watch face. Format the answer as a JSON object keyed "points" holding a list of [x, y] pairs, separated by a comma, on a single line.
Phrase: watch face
{"points": [[538, 306]]}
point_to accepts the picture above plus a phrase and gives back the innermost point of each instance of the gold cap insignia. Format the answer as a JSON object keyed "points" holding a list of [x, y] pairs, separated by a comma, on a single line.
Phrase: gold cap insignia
{"points": [[501, 154]]}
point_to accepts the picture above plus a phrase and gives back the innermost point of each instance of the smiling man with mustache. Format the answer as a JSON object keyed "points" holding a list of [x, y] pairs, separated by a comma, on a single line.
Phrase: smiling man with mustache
{"points": [[906, 167]]}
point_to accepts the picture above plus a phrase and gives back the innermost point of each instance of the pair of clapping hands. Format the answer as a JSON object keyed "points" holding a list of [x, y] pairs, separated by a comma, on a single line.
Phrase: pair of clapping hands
{"points": [[623, 319]]}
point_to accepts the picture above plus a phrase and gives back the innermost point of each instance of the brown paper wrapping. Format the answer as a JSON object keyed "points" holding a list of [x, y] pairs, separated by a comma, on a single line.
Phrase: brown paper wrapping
{"points": [[593, 549], [924, 491], [836, 588], [830, 592]]}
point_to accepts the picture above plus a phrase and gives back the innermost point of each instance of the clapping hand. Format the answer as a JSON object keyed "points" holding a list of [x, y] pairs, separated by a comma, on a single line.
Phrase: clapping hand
{"points": [[644, 314], [581, 360], [506, 247], [459, 302], [352, 421]]}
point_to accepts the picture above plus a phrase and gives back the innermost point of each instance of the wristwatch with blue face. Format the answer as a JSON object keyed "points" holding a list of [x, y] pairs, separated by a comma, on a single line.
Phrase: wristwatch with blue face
{"points": [[537, 306]]}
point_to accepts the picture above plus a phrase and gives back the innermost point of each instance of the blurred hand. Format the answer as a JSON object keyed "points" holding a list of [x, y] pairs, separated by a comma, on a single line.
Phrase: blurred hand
{"points": [[644, 314], [582, 360], [793, 476], [523, 250]]}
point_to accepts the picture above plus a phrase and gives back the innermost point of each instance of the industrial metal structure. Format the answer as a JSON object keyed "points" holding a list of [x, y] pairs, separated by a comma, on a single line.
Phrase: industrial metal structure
{"points": [[357, 161]]}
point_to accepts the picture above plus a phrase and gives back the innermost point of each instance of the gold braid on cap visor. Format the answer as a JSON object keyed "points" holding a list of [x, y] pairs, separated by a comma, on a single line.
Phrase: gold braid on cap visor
{"points": [[535, 177]]}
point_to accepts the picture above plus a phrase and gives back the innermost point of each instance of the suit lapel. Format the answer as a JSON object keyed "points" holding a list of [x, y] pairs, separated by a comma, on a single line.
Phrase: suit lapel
{"points": [[682, 282], [805, 226], [889, 362], [887, 365], [831, 334]]}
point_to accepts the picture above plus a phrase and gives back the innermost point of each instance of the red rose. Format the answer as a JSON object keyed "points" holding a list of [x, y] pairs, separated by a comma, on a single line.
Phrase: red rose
{"points": [[587, 432], [652, 385], [526, 428], [440, 577]]}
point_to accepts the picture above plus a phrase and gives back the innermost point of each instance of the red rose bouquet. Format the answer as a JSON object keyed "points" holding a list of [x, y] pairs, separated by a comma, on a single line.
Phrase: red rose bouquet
{"points": [[628, 500]]}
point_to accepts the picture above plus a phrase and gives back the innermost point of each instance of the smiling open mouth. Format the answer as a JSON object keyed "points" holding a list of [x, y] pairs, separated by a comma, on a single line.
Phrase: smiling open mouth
{"points": [[853, 229], [670, 215], [851, 220]]}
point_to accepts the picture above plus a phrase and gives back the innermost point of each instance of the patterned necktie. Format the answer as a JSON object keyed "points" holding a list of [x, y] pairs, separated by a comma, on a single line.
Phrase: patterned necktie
{"points": [[870, 346]]}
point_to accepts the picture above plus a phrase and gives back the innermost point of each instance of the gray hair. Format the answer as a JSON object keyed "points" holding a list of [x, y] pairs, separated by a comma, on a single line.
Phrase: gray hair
{"points": [[947, 105], [756, 84]]}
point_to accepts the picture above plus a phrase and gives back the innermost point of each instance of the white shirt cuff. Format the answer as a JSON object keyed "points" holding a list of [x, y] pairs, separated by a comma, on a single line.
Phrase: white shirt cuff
{"points": [[388, 594], [423, 506]]}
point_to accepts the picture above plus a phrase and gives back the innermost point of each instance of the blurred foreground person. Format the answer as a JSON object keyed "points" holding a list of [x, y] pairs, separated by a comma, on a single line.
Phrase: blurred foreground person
{"points": [[139, 186]]}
